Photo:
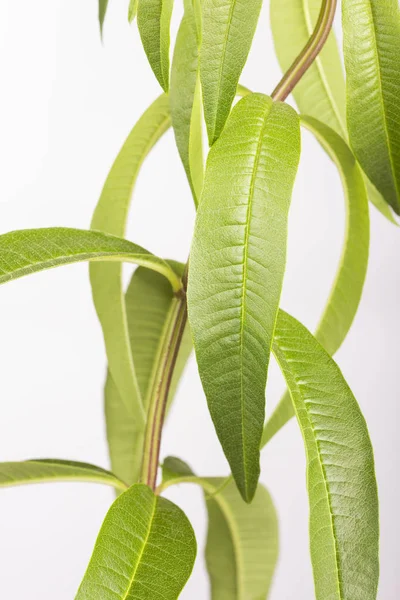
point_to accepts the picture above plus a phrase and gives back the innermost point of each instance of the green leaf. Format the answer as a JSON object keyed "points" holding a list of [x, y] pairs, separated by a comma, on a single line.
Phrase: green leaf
{"points": [[103, 4], [236, 271], [30, 250], [52, 470], [185, 99], [228, 30], [242, 542], [133, 5], [154, 20], [344, 299], [148, 302], [371, 32], [344, 520], [111, 215], [145, 549]]}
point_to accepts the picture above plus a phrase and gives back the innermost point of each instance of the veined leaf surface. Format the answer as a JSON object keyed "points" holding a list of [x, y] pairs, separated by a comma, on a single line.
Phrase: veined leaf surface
{"points": [[344, 519], [236, 271], [371, 32], [228, 30], [154, 21], [30, 250], [345, 295], [111, 215], [145, 549], [55, 470], [185, 98], [148, 301]]}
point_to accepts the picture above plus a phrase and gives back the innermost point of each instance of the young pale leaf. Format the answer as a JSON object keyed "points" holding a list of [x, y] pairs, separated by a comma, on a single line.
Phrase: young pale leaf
{"points": [[133, 4], [345, 295], [236, 271], [242, 541], [185, 98], [154, 20], [228, 30], [148, 301], [146, 549], [371, 30], [31, 250], [103, 4], [111, 215], [54, 470], [344, 519]]}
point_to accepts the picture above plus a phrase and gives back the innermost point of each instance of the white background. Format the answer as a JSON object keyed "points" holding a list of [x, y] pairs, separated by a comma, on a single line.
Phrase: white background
{"points": [[66, 105]]}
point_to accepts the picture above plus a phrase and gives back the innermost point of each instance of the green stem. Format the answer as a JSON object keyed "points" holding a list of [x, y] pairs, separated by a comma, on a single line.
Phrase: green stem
{"points": [[173, 333], [309, 52]]}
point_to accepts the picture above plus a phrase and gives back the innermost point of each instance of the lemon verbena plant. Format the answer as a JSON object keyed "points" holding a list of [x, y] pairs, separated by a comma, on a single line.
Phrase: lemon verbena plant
{"points": [[225, 301]]}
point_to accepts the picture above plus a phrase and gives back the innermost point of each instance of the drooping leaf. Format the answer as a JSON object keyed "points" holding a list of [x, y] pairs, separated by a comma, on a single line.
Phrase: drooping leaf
{"points": [[30, 250], [111, 216], [345, 295], [236, 271], [145, 549], [344, 520], [371, 32], [228, 30], [103, 4], [154, 20], [133, 4], [185, 99], [321, 93], [55, 470], [242, 542], [148, 301]]}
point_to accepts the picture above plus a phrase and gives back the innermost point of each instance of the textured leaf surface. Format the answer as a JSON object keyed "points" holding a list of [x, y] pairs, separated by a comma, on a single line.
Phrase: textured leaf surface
{"points": [[344, 520], [228, 30], [371, 30], [146, 549], [236, 271], [148, 301], [345, 295], [185, 98], [110, 216], [30, 250], [154, 20], [52, 470]]}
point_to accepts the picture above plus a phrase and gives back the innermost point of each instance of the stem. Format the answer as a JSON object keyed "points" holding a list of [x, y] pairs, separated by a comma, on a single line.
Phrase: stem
{"points": [[309, 52], [173, 333]]}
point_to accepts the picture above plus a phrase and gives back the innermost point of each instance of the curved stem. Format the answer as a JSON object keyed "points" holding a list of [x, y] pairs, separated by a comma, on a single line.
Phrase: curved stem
{"points": [[309, 52]]}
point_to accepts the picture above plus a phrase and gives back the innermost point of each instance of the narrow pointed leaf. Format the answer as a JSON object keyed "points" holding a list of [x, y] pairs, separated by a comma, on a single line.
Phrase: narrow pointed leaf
{"points": [[148, 301], [145, 549], [154, 20], [242, 542], [31, 250], [111, 215], [133, 4], [344, 299], [185, 98], [228, 30], [371, 31], [344, 520], [103, 5], [236, 271], [55, 470]]}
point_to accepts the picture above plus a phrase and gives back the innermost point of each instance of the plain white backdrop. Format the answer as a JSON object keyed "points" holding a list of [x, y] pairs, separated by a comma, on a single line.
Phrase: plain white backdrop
{"points": [[67, 103]]}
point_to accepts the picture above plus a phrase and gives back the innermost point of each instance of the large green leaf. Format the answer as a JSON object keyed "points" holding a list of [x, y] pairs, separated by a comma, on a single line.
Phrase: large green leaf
{"points": [[30, 250], [185, 98], [345, 295], [111, 215], [371, 30], [228, 30], [154, 20], [344, 519], [103, 4], [236, 271], [242, 542], [146, 549], [148, 302], [53, 470]]}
